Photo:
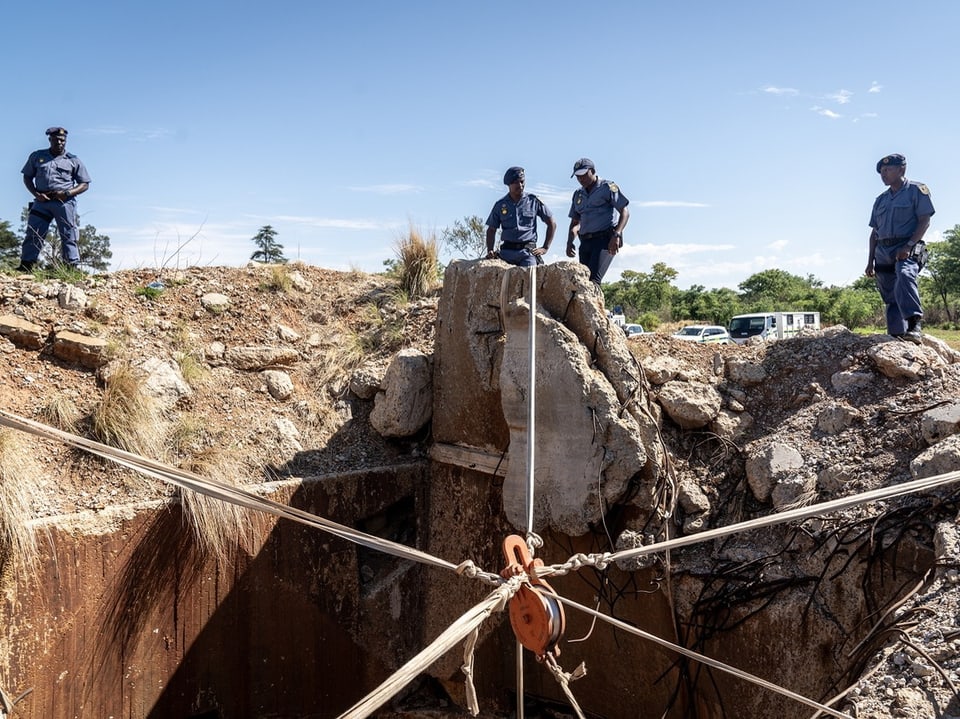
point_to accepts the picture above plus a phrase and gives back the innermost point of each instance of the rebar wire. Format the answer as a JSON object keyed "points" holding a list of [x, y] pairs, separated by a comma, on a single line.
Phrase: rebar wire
{"points": [[706, 660]]}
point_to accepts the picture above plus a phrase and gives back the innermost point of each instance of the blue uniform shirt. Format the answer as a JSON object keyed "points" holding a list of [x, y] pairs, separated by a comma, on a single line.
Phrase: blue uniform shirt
{"points": [[895, 213], [57, 174], [518, 220], [598, 209]]}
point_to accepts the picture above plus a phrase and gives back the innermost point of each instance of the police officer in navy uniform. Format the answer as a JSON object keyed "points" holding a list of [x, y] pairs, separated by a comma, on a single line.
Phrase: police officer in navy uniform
{"points": [[54, 177], [598, 215], [900, 217], [515, 214]]}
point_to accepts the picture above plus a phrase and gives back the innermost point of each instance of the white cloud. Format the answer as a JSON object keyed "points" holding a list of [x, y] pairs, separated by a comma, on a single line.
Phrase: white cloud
{"points": [[770, 90], [778, 244], [841, 97], [875, 87], [331, 222], [825, 112]]}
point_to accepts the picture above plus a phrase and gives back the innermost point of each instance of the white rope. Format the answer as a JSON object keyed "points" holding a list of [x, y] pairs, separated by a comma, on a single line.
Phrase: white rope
{"points": [[689, 653], [461, 628], [531, 396], [240, 497], [602, 560]]}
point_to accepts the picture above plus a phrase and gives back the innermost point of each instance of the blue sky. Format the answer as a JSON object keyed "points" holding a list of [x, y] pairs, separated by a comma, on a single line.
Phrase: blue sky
{"points": [[745, 134]]}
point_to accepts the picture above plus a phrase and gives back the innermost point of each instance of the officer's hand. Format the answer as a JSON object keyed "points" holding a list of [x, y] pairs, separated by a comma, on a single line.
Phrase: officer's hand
{"points": [[491, 255], [538, 251], [613, 247], [869, 271], [571, 251], [903, 254], [44, 196]]}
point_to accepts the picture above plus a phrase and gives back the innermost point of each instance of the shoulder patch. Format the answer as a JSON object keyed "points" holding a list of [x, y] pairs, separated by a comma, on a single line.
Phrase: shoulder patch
{"points": [[613, 187], [923, 188]]}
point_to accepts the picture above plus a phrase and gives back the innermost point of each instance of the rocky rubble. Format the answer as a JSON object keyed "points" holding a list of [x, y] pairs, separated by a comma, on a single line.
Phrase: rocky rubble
{"points": [[299, 371]]}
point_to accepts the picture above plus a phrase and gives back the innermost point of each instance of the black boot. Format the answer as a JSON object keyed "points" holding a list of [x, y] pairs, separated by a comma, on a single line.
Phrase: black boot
{"points": [[25, 266], [913, 331]]}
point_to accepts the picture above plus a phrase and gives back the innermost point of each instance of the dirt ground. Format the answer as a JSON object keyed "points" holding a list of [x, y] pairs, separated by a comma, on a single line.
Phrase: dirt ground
{"points": [[339, 323]]}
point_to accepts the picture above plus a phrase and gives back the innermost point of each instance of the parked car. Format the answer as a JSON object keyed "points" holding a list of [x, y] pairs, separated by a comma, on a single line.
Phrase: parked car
{"points": [[631, 330], [704, 333]]}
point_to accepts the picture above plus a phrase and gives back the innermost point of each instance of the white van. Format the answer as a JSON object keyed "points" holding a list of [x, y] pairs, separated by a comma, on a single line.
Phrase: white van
{"points": [[772, 325]]}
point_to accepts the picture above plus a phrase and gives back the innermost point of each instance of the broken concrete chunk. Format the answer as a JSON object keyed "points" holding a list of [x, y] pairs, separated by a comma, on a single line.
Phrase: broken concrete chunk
{"points": [[21, 332], [905, 360], [744, 372], [278, 383], [940, 422], [406, 403], [836, 417], [941, 458], [692, 405], [80, 349], [850, 381], [769, 465]]}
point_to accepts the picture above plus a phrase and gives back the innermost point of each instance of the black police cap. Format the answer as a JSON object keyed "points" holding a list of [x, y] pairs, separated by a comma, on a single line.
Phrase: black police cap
{"points": [[56, 131], [513, 175], [581, 166], [891, 161]]}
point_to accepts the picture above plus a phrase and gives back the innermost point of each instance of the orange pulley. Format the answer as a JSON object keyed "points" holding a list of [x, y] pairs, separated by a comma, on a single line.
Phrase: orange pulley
{"points": [[536, 614]]}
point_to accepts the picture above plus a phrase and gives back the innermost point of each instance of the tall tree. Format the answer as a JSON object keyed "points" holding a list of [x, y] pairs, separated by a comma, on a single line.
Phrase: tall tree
{"points": [[468, 237], [9, 246], [944, 270], [270, 250]]}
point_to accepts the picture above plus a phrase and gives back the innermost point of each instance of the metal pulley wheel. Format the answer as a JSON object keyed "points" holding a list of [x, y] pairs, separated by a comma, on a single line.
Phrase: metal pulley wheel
{"points": [[536, 614]]}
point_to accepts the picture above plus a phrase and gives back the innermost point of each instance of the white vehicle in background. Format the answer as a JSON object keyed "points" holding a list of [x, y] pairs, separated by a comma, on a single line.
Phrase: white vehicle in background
{"points": [[772, 325], [713, 334], [633, 330]]}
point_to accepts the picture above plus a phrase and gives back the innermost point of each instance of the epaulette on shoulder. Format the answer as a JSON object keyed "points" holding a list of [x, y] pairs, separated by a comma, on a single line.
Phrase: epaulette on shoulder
{"points": [[923, 188]]}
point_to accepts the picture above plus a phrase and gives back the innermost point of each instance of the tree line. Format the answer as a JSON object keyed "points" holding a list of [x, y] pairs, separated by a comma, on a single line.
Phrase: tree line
{"points": [[651, 298]]}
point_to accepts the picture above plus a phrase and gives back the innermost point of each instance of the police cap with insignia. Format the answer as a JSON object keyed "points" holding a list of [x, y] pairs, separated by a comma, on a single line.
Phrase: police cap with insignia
{"points": [[514, 174], [56, 132], [582, 166], [891, 161]]}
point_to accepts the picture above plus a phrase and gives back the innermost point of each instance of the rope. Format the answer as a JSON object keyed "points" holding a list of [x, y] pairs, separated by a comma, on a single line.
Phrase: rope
{"points": [[564, 678], [689, 653], [240, 497], [461, 628], [602, 560]]}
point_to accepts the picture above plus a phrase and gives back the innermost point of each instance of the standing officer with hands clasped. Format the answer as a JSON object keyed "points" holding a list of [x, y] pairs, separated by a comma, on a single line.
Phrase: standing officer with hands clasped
{"points": [[900, 217], [598, 215], [54, 177], [516, 215]]}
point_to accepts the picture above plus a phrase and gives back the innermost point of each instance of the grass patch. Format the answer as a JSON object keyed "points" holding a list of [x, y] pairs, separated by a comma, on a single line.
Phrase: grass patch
{"points": [[18, 545], [149, 292], [62, 413], [216, 525], [418, 266], [192, 369], [278, 280], [125, 417]]}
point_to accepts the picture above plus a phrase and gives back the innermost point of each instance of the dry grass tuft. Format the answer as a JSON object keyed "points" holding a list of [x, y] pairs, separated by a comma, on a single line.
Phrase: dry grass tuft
{"points": [[278, 280], [125, 417], [62, 413], [217, 525], [192, 369], [18, 544], [418, 269]]}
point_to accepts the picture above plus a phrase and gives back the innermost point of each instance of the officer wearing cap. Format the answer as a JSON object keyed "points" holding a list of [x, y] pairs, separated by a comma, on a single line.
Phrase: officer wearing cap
{"points": [[598, 215], [900, 217], [515, 215], [54, 177]]}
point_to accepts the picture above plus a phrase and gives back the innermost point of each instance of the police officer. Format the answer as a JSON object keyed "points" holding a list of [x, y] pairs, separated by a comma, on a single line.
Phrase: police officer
{"points": [[515, 214], [598, 215], [54, 177], [900, 217]]}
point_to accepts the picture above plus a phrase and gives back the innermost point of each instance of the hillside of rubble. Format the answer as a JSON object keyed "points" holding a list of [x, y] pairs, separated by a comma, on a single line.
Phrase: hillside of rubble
{"points": [[263, 372]]}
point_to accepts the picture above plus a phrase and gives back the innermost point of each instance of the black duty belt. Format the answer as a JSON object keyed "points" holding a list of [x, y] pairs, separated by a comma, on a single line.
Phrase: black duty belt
{"points": [[601, 235], [892, 241], [518, 245]]}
